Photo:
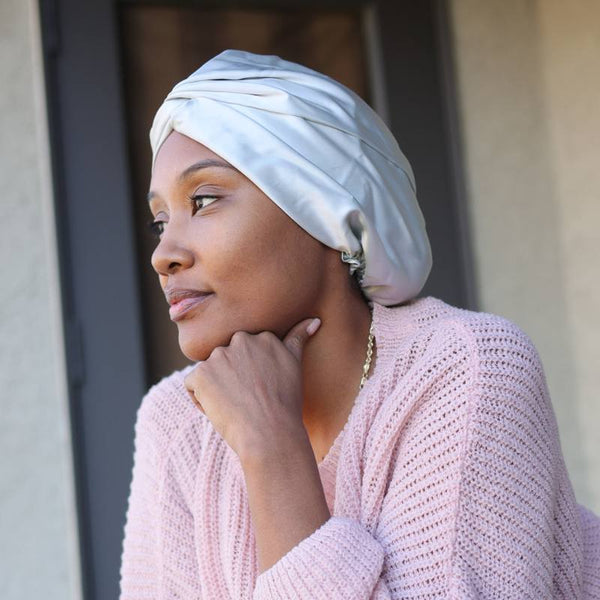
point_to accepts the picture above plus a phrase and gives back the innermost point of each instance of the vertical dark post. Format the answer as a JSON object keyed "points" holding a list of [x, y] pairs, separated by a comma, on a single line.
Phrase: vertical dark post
{"points": [[417, 92], [98, 269]]}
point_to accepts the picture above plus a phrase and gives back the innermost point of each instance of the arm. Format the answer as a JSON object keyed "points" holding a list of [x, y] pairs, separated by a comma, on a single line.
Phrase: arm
{"points": [[289, 511], [376, 550], [156, 501], [472, 496], [285, 495], [517, 531], [139, 558]]}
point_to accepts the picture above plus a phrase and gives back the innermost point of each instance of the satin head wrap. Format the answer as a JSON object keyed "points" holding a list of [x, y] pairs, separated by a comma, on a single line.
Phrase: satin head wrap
{"points": [[318, 151]]}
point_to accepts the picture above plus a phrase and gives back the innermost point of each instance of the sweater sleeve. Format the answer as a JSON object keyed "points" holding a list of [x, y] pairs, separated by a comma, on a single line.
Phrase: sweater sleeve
{"points": [[340, 560], [517, 531], [156, 502], [139, 557]]}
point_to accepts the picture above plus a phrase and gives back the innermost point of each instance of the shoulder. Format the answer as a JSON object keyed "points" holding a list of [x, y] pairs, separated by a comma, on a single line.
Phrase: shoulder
{"points": [[505, 372], [501, 346], [432, 340], [475, 373], [486, 334], [166, 408]]}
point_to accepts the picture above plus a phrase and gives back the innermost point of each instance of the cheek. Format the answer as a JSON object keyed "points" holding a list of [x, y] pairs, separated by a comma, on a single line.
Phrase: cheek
{"points": [[258, 260], [235, 252]]}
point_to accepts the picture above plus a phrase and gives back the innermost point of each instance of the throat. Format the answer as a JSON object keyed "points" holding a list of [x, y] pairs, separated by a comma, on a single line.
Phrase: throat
{"points": [[321, 452], [323, 443]]}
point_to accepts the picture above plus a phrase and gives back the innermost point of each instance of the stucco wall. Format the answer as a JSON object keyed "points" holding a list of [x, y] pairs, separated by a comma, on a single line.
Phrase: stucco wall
{"points": [[38, 553], [529, 97]]}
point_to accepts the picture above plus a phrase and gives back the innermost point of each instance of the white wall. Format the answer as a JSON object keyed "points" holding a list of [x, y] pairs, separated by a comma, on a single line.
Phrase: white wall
{"points": [[529, 85], [38, 543]]}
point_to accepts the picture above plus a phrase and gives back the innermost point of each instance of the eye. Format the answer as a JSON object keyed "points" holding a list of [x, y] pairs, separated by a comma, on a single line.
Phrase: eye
{"points": [[200, 198], [156, 227]]}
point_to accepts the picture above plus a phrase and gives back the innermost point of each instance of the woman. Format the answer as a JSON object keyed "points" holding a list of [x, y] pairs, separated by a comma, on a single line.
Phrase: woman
{"points": [[336, 437]]}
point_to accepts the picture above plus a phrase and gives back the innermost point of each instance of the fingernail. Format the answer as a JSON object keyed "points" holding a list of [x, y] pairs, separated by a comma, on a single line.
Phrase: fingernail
{"points": [[313, 326]]}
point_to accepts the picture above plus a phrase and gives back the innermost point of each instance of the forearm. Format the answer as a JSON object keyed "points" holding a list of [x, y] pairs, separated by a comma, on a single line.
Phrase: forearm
{"points": [[285, 494]]}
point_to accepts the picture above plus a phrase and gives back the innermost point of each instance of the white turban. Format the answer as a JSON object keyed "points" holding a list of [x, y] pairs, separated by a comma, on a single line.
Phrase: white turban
{"points": [[318, 151]]}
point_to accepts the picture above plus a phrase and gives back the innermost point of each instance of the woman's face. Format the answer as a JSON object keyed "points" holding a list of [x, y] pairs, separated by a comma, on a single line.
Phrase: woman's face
{"points": [[221, 234]]}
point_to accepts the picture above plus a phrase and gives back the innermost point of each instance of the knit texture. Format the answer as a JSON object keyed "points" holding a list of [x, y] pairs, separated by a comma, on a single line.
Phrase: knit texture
{"points": [[447, 481]]}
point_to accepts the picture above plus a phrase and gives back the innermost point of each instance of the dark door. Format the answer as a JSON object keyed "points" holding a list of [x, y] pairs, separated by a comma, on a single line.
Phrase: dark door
{"points": [[108, 66]]}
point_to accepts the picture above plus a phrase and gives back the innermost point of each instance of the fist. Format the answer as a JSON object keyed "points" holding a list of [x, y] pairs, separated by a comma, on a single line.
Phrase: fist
{"points": [[251, 390]]}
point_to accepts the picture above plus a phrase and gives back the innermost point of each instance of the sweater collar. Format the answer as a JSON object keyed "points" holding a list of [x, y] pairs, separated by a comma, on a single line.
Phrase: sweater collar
{"points": [[393, 324]]}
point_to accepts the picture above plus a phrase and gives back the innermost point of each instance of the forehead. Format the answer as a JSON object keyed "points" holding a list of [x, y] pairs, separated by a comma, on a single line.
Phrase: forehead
{"points": [[180, 157], [179, 150]]}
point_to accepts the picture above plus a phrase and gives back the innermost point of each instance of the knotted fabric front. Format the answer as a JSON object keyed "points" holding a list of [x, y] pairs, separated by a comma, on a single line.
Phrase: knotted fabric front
{"points": [[318, 151]]}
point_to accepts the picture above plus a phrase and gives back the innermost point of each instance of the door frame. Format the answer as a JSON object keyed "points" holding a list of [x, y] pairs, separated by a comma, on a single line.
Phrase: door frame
{"points": [[95, 230]]}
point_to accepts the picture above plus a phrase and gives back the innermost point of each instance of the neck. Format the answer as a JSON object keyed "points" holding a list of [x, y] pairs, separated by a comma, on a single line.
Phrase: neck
{"points": [[333, 362]]}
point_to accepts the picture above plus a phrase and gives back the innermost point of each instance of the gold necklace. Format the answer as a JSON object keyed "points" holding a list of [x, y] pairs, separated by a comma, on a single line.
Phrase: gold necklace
{"points": [[367, 364]]}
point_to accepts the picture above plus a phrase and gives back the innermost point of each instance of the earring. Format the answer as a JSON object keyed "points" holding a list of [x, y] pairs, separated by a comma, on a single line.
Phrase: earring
{"points": [[356, 262]]}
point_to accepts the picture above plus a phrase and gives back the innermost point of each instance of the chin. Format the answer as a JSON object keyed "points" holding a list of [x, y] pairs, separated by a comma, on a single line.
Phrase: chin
{"points": [[198, 346], [194, 351]]}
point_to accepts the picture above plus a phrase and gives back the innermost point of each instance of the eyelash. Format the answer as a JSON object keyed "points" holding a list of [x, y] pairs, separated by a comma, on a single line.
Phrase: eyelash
{"points": [[155, 226]]}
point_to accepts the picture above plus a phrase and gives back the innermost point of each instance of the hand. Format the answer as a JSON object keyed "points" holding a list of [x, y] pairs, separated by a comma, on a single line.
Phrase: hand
{"points": [[251, 390]]}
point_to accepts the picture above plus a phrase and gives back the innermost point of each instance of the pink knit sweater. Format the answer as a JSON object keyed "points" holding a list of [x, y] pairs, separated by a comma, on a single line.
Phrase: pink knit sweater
{"points": [[447, 481]]}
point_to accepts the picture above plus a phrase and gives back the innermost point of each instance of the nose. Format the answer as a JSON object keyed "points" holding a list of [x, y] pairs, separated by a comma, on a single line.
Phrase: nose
{"points": [[171, 253]]}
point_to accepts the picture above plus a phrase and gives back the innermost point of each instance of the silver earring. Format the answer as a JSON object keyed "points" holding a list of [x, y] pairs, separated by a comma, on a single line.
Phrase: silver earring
{"points": [[356, 262]]}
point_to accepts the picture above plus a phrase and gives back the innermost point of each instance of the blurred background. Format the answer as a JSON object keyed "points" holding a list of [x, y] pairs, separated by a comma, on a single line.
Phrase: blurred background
{"points": [[496, 105]]}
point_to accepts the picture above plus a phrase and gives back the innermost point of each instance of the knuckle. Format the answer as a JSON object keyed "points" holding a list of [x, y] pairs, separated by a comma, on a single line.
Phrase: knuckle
{"points": [[217, 351], [189, 378], [265, 335], [238, 336]]}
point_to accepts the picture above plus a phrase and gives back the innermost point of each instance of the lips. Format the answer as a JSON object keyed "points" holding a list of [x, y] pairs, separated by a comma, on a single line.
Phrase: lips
{"points": [[175, 294], [186, 304]]}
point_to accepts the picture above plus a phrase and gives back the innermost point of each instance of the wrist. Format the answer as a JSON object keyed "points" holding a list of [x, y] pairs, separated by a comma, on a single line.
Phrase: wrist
{"points": [[283, 449]]}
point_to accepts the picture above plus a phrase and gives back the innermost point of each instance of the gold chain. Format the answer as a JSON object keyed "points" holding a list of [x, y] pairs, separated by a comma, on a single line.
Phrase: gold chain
{"points": [[367, 364]]}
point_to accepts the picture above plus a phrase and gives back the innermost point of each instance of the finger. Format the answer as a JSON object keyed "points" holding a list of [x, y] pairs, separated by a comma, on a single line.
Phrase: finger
{"points": [[296, 337], [195, 401], [189, 386]]}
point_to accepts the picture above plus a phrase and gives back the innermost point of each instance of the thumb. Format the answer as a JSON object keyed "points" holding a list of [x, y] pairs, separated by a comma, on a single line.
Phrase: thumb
{"points": [[296, 337]]}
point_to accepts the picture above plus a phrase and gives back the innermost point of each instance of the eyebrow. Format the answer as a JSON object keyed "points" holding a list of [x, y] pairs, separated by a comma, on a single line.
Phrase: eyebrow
{"points": [[202, 164]]}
